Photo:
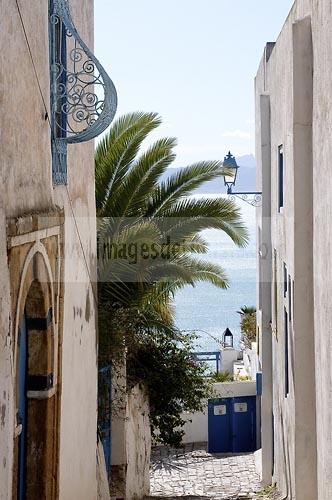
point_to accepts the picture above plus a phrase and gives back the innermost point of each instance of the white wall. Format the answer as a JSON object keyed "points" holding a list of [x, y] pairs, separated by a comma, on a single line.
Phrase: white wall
{"points": [[251, 361], [322, 240], [138, 444], [285, 102], [228, 357], [264, 266], [131, 438], [26, 187], [196, 431], [196, 427]]}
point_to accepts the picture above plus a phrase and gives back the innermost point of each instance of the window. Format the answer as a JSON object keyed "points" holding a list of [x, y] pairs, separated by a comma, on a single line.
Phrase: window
{"points": [[275, 294], [280, 178], [286, 353], [290, 298]]}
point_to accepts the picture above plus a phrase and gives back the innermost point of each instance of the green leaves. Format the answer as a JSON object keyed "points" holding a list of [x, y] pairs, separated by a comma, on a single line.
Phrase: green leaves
{"points": [[116, 152], [149, 243], [152, 218], [189, 216], [182, 184], [142, 178], [248, 325], [174, 379]]}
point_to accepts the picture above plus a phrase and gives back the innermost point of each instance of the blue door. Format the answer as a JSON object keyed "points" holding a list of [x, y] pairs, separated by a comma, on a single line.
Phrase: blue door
{"points": [[220, 425], [22, 410], [244, 424], [232, 425]]}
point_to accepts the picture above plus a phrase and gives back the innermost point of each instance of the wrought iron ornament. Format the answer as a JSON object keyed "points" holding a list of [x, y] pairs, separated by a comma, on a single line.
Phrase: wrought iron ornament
{"points": [[253, 199], [83, 97]]}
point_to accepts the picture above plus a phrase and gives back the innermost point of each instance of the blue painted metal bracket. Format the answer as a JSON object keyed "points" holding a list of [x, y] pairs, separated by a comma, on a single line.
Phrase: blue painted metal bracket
{"points": [[209, 356], [79, 111], [253, 198], [259, 383]]}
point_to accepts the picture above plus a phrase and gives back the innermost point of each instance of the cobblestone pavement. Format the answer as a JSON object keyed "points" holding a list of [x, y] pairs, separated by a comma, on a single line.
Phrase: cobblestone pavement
{"points": [[193, 473]]}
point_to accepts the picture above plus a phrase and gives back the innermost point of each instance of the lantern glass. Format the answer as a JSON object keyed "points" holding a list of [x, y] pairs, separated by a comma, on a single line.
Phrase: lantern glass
{"points": [[230, 177], [231, 167]]}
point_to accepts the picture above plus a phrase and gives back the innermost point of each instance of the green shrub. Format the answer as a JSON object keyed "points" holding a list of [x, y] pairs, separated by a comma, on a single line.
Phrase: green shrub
{"points": [[223, 376]]}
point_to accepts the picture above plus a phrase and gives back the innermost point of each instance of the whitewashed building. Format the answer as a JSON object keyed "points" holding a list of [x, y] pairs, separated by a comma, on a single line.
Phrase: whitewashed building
{"points": [[48, 348], [294, 151]]}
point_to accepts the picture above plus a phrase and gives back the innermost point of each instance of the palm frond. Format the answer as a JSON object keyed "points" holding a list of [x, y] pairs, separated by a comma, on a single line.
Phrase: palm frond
{"points": [[203, 270], [143, 176], [116, 152], [149, 228], [182, 184], [192, 215]]}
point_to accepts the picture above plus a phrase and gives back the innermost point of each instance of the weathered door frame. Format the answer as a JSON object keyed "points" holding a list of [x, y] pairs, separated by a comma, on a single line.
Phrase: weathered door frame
{"points": [[36, 256]]}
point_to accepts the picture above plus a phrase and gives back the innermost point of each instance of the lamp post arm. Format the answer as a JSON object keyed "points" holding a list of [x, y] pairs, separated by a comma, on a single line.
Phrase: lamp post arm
{"points": [[247, 192], [230, 191], [253, 198]]}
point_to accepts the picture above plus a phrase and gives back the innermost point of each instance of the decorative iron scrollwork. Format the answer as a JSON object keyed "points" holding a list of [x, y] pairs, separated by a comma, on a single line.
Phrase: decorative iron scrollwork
{"points": [[83, 97], [253, 199]]}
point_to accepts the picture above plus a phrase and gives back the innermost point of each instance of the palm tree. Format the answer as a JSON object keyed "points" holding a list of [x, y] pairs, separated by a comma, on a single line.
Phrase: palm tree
{"points": [[139, 206], [248, 324], [149, 241]]}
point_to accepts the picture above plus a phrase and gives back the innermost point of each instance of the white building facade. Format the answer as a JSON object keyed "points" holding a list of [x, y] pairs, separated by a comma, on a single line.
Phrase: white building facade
{"points": [[48, 344], [294, 151]]}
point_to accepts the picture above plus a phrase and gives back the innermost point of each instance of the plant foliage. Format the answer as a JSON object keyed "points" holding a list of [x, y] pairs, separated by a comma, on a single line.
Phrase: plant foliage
{"points": [[149, 243], [248, 325], [223, 376], [174, 379]]}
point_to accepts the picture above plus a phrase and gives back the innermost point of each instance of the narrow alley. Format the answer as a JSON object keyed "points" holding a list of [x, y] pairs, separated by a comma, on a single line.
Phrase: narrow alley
{"points": [[192, 472], [166, 250]]}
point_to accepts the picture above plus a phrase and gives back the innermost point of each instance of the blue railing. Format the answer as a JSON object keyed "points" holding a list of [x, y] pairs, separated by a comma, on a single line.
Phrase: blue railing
{"points": [[208, 357]]}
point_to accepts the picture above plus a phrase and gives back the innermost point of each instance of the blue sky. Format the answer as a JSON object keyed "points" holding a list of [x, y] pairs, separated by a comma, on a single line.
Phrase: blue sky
{"points": [[194, 62]]}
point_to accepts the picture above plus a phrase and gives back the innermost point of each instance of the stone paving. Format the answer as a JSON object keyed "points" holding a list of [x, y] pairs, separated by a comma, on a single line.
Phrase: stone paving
{"points": [[192, 472]]}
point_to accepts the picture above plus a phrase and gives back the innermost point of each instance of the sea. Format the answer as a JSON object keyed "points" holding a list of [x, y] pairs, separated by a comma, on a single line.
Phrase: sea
{"points": [[207, 310]]}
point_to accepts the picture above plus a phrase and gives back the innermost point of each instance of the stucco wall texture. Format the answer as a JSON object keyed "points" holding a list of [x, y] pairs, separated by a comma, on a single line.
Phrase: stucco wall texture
{"points": [[131, 440], [138, 444], [26, 187], [294, 100]]}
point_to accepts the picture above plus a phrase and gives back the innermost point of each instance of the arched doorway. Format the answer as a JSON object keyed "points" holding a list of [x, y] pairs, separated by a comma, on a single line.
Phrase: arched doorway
{"points": [[36, 396], [35, 260]]}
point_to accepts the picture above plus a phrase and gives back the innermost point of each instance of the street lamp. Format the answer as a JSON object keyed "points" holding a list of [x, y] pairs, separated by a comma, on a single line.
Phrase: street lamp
{"points": [[228, 339], [254, 198], [231, 168]]}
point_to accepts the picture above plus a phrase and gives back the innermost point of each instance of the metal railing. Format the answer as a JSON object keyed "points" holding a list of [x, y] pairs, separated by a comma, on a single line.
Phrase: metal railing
{"points": [[208, 356]]}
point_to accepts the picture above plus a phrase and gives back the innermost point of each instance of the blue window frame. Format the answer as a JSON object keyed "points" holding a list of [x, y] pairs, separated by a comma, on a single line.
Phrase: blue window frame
{"points": [[286, 353], [290, 302], [280, 178]]}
